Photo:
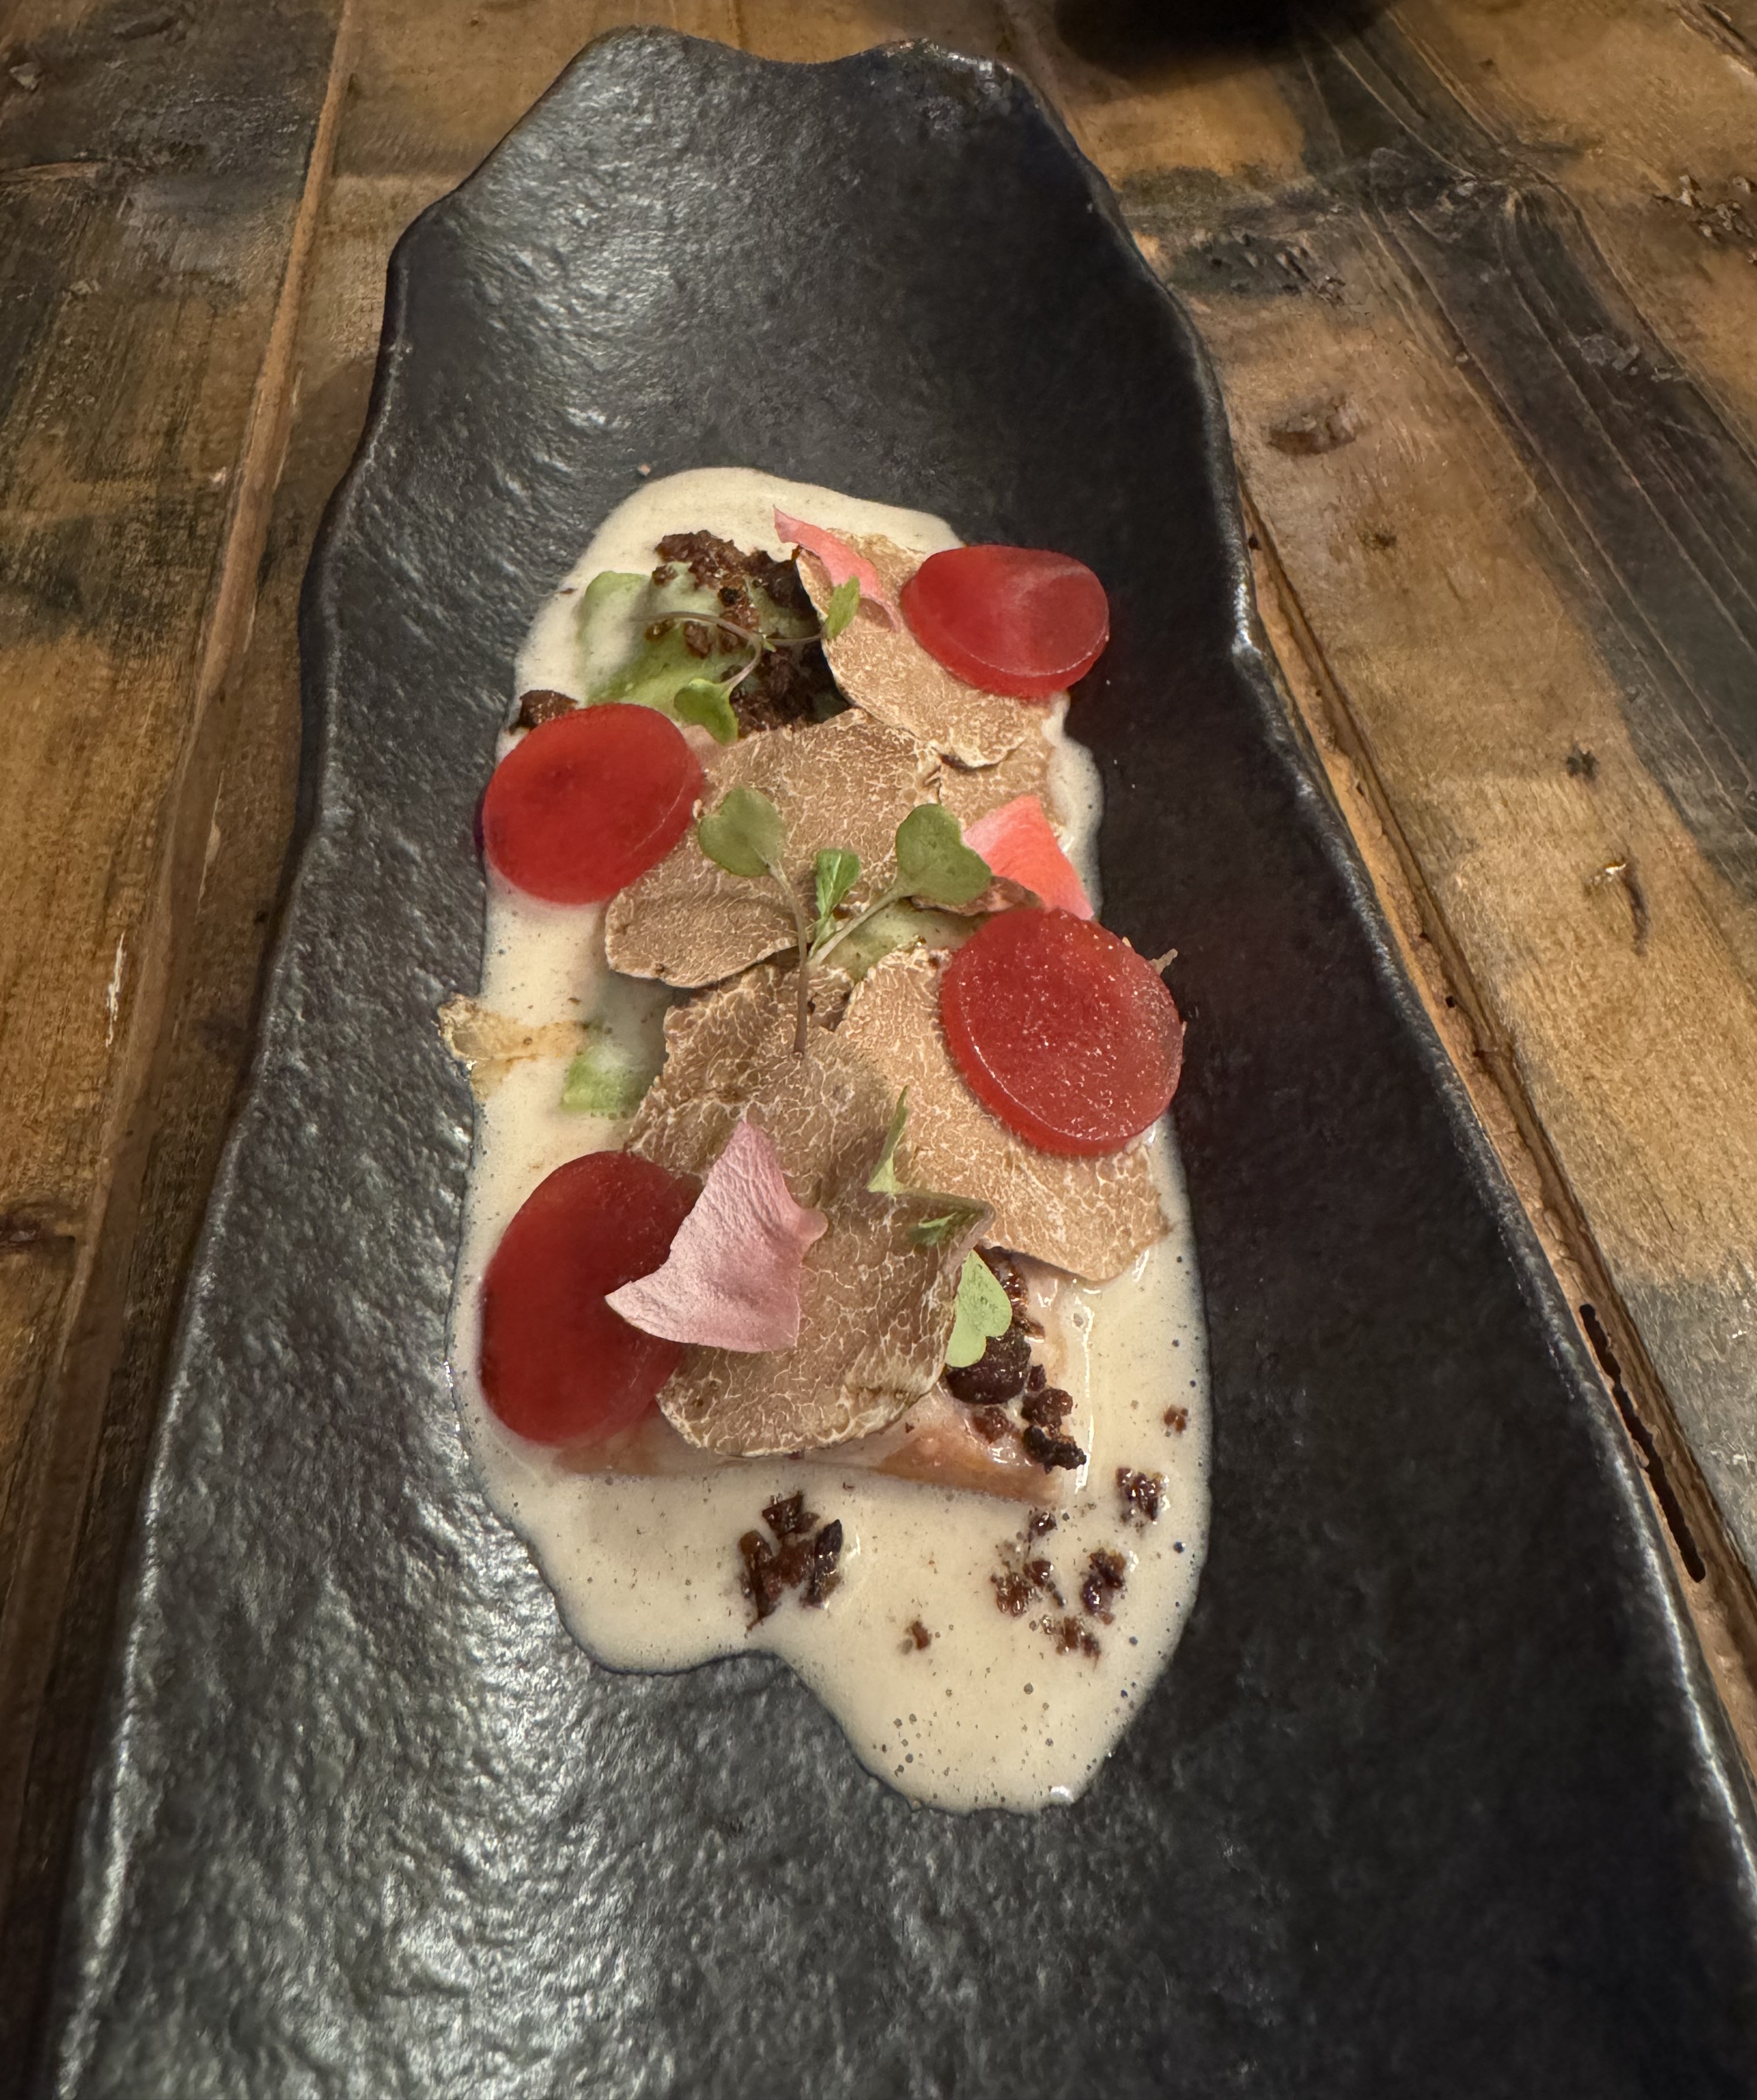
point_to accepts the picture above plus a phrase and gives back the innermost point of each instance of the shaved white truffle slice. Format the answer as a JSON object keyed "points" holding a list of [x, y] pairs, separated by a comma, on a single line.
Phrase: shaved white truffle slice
{"points": [[885, 670], [846, 781], [876, 1306]]}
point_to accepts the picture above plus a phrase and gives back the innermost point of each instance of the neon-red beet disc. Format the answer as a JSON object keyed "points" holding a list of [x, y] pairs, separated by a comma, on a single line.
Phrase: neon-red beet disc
{"points": [[558, 1365], [1011, 619], [1062, 1029], [588, 801]]}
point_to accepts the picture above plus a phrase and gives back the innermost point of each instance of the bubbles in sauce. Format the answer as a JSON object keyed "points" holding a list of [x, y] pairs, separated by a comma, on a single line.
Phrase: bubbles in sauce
{"points": [[956, 1650]]}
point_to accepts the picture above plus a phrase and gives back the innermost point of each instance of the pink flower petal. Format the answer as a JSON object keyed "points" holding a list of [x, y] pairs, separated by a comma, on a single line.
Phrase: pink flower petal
{"points": [[731, 1279], [1016, 841], [840, 561]]}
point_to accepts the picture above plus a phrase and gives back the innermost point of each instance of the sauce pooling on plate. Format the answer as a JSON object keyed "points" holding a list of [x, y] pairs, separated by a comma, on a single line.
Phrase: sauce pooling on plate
{"points": [[977, 1651]]}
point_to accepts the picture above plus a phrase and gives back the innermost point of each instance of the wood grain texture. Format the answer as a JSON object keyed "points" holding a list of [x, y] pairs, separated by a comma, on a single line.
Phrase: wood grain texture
{"points": [[1479, 282], [157, 180]]}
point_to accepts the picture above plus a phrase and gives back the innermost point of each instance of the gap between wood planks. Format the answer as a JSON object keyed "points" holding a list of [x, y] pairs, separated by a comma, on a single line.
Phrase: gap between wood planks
{"points": [[1712, 1573], [82, 1382]]}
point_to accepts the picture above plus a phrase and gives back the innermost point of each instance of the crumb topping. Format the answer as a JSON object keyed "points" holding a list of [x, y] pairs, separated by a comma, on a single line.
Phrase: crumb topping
{"points": [[542, 704], [1141, 1494], [787, 685], [805, 1558]]}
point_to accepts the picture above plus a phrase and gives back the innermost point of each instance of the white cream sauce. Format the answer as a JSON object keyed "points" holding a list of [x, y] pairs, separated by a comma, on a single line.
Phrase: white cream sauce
{"points": [[645, 1569]]}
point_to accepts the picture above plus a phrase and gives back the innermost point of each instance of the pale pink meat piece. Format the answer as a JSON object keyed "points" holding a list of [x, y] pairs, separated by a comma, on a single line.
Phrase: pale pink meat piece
{"points": [[1017, 843], [731, 1279], [936, 1441], [840, 561]]}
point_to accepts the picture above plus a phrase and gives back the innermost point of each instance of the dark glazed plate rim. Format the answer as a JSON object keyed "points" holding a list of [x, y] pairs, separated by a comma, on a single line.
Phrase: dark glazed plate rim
{"points": [[1436, 1795]]}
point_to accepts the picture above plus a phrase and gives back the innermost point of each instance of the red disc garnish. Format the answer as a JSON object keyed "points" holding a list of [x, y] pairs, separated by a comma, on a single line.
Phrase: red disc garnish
{"points": [[1062, 1030], [1011, 619], [557, 1365], [586, 803]]}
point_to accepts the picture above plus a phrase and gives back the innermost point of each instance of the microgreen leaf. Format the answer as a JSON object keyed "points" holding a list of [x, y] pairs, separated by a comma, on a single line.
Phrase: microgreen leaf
{"points": [[935, 1232], [660, 667], [604, 626], [841, 609], [933, 861], [984, 1310], [703, 701], [745, 835], [883, 1180], [608, 588], [604, 1080], [838, 871]]}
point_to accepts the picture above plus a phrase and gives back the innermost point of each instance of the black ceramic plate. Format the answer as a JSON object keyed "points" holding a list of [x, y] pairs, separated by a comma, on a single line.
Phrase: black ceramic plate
{"points": [[1434, 1799]]}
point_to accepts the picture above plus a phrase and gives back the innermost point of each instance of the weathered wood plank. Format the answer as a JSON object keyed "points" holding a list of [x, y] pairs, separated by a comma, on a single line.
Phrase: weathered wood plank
{"points": [[1640, 114], [1653, 488], [1706, 1560], [159, 174]]}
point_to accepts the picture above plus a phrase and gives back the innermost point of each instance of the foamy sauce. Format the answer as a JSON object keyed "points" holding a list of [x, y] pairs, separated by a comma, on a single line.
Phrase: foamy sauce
{"points": [[992, 1712]]}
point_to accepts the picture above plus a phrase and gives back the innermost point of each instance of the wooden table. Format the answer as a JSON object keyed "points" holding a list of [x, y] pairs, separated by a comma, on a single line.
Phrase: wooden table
{"points": [[1480, 280]]}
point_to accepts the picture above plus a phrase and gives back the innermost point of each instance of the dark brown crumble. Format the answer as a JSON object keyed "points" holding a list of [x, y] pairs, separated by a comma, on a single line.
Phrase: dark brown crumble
{"points": [[1004, 1372], [540, 705], [788, 684], [1105, 1573], [998, 1376], [1048, 1406], [1141, 1494], [1177, 1420], [1071, 1637], [822, 1574], [806, 1559], [1051, 1451], [1026, 1578], [918, 1635], [787, 1515]]}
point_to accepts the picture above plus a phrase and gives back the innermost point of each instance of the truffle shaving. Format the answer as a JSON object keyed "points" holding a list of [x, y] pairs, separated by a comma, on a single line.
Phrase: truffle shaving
{"points": [[877, 1309], [885, 670], [1091, 1216], [846, 781], [970, 792]]}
